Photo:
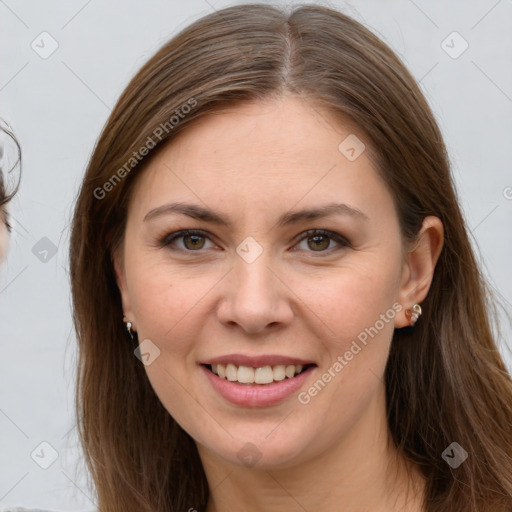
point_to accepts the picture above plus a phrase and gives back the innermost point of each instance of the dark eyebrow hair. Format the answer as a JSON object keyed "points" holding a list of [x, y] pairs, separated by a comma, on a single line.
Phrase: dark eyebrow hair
{"points": [[208, 215]]}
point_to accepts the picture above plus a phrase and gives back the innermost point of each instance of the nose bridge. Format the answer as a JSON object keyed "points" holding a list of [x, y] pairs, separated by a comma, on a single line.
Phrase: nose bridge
{"points": [[252, 274], [256, 298]]}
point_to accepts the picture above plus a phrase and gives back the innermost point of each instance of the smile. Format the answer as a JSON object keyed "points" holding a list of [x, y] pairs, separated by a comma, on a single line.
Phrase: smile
{"points": [[262, 386], [262, 375]]}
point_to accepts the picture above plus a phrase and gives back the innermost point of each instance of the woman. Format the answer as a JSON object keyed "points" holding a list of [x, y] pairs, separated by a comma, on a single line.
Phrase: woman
{"points": [[276, 301], [6, 195]]}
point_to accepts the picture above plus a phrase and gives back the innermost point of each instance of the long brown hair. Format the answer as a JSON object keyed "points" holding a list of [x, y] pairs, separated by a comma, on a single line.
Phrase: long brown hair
{"points": [[445, 379]]}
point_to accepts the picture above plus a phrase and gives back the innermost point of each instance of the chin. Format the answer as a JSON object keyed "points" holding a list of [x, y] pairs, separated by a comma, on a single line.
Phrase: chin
{"points": [[256, 449]]}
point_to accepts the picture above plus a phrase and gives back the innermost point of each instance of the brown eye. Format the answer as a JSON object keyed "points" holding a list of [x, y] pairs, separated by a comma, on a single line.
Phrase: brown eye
{"points": [[320, 242], [186, 240], [193, 242]]}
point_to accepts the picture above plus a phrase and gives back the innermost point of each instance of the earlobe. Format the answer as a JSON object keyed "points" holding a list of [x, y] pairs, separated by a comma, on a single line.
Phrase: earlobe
{"points": [[419, 267]]}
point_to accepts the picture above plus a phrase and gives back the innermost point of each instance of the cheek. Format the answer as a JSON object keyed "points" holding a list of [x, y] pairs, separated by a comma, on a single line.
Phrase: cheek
{"points": [[357, 306], [165, 298], [352, 298], [167, 306]]}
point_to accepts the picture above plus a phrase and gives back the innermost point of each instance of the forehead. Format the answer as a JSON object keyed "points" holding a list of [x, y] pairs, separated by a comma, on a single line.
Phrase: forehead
{"points": [[288, 129], [263, 155]]}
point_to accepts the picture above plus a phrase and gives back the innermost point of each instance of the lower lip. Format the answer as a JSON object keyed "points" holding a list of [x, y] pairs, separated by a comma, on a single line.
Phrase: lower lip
{"points": [[256, 395]]}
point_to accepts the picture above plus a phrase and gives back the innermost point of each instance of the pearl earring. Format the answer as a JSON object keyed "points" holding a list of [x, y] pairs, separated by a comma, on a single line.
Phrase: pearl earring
{"points": [[413, 314], [128, 327]]}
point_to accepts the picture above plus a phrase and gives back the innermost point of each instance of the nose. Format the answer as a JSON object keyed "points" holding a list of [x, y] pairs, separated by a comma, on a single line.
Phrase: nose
{"points": [[255, 296]]}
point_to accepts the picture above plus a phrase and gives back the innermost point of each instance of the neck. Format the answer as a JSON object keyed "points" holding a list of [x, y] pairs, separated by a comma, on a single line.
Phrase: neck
{"points": [[363, 472]]}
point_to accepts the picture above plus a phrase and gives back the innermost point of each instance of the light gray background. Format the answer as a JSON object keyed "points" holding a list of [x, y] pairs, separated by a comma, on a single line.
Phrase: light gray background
{"points": [[57, 107]]}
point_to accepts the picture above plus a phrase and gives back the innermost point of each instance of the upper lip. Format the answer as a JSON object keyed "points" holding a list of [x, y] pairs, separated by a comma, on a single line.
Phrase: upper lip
{"points": [[257, 361]]}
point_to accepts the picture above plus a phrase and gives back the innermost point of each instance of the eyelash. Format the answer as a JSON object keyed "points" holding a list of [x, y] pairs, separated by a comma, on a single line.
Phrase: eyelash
{"points": [[170, 238]]}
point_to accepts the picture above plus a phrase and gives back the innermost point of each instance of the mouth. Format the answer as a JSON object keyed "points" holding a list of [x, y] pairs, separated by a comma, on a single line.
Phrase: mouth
{"points": [[262, 375], [257, 382]]}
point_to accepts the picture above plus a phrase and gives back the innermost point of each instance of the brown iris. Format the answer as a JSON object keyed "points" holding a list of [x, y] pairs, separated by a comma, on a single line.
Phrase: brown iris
{"points": [[318, 242], [197, 241]]}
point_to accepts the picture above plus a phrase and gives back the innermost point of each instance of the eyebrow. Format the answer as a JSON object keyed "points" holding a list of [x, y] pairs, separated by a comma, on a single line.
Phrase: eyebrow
{"points": [[206, 214]]}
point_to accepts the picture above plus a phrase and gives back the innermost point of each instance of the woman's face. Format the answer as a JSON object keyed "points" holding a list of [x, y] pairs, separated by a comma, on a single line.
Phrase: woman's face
{"points": [[258, 291]]}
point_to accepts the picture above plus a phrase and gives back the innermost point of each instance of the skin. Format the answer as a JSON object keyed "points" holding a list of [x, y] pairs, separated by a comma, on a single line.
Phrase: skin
{"points": [[253, 163], [4, 236]]}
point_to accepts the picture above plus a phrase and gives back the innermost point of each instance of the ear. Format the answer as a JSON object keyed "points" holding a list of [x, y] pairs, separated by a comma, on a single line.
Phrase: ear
{"points": [[119, 270], [419, 266]]}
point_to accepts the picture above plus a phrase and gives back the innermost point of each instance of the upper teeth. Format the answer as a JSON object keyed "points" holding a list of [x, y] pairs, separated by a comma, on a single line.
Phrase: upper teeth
{"points": [[263, 375]]}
